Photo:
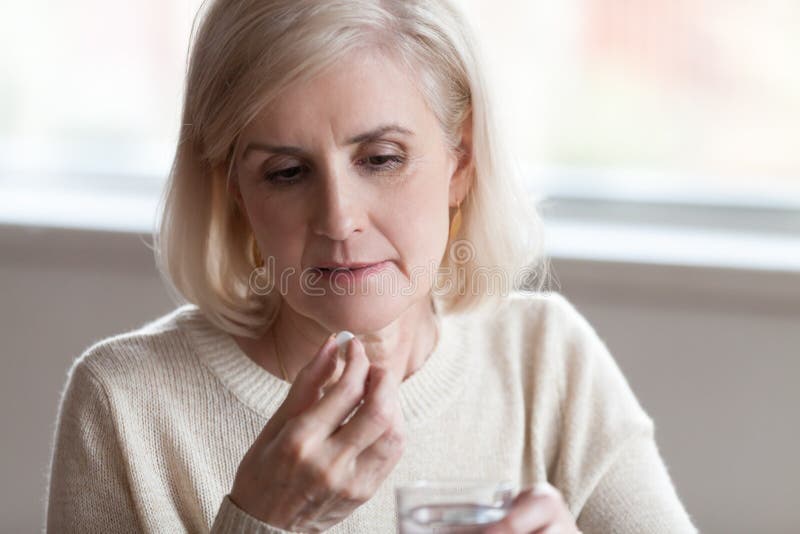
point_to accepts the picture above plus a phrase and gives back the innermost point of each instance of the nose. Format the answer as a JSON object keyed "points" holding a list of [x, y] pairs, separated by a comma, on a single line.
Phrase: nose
{"points": [[337, 213]]}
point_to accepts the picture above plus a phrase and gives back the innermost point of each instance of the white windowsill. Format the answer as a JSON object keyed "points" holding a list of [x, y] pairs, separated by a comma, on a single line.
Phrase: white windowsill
{"points": [[658, 245], [131, 213]]}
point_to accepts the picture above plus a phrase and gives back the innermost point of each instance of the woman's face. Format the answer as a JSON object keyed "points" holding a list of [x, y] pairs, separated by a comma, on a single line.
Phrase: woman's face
{"points": [[350, 167]]}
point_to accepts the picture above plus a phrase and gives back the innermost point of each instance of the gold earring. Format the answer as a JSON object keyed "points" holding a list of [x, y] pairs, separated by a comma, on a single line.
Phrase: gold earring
{"points": [[455, 225], [259, 261]]}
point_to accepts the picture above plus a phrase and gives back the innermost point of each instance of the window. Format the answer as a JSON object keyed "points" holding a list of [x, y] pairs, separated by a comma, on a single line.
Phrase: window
{"points": [[93, 97], [638, 101], [659, 99]]}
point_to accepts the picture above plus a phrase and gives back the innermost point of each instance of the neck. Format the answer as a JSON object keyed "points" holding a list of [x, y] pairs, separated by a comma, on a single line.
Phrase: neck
{"points": [[401, 346]]}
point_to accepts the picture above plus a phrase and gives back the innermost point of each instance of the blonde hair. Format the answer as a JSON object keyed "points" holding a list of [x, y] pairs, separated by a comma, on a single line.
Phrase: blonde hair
{"points": [[244, 53]]}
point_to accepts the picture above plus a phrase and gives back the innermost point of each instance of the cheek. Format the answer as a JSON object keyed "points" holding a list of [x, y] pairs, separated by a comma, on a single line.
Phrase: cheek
{"points": [[277, 230], [419, 216]]}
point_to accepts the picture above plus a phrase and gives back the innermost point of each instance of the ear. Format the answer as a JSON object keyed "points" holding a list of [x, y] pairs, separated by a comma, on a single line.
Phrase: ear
{"points": [[461, 177]]}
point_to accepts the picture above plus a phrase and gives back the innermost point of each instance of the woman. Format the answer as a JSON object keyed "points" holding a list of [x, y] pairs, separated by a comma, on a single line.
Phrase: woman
{"points": [[337, 169]]}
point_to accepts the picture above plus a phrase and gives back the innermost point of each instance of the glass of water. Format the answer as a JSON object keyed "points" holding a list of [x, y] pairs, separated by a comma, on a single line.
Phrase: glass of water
{"points": [[452, 506]]}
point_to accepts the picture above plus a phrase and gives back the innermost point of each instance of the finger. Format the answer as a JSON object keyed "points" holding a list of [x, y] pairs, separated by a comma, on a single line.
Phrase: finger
{"points": [[336, 375], [529, 512], [381, 457], [371, 466], [305, 390], [342, 340], [327, 414], [372, 419], [375, 462]]}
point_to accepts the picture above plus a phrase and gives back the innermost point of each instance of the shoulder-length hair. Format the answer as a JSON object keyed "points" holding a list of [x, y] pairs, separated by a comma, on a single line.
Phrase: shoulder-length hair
{"points": [[243, 53]]}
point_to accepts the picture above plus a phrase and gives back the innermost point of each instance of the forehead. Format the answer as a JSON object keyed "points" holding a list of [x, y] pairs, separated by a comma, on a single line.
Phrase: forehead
{"points": [[359, 91]]}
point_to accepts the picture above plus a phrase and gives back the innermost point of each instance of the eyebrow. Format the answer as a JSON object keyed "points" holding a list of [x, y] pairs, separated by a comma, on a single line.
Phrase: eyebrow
{"points": [[369, 136]]}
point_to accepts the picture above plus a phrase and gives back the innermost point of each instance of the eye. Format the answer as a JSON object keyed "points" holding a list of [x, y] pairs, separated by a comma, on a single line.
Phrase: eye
{"points": [[379, 160], [383, 162], [284, 176]]}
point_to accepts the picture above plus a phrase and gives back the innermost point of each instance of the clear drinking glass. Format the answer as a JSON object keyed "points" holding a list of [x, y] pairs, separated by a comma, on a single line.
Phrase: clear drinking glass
{"points": [[452, 506]]}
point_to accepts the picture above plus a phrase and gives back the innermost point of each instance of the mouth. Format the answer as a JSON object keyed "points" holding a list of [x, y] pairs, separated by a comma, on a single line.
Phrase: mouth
{"points": [[353, 268], [350, 267]]}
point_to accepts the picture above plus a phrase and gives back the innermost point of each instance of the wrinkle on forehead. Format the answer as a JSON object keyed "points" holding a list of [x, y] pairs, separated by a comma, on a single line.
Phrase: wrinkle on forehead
{"points": [[344, 105]]}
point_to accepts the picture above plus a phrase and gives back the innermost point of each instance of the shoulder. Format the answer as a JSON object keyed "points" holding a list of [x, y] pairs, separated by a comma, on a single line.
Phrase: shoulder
{"points": [[541, 317], [551, 306], [556, 340], [579, 361], [147, 349], [563, 350], [536, 334]]}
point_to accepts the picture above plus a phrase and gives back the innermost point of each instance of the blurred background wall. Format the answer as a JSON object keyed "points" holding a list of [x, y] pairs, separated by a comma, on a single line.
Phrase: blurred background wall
{"points": [[712, 355]]}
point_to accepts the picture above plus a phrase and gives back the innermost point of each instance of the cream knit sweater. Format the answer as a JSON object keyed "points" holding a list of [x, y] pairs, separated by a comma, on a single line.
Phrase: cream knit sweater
{"points": [[153, 424]]}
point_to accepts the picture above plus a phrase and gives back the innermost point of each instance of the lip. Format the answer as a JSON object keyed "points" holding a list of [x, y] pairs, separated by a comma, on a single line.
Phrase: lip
{"points": [[350, 266], [357, 271]]}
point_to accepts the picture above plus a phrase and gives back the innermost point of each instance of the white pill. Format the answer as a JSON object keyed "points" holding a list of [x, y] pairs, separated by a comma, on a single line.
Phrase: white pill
{"points": [[342, 338]]}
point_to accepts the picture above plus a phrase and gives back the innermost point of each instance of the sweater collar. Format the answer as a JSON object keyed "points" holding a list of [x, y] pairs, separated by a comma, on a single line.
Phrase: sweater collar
{"points": [[422, 395]]}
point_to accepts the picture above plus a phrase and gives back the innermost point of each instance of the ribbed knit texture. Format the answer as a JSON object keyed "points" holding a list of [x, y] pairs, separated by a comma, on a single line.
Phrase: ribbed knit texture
{"points": [[153, 423]]}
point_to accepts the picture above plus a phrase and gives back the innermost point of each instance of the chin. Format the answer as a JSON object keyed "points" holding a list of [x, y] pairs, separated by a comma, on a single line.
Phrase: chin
{"points": [[357, 313]]}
